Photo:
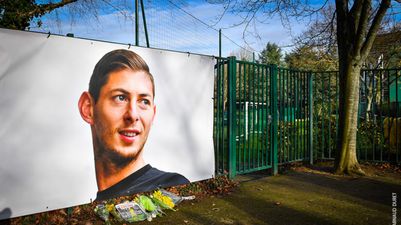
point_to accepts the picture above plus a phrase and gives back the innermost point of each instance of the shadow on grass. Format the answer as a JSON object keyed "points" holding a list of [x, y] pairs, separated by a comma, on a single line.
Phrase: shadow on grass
{"points": [[267, 212], [364, 188]]}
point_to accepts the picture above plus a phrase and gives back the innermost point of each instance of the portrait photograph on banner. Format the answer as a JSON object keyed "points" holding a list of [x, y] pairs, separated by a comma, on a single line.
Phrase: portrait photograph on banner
{"points": [[86, 120]]}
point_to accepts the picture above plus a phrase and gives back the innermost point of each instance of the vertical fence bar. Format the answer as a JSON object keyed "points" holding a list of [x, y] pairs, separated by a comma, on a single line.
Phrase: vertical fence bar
{"points": [[298, 124], [232, 116], [381, 115], [373, 114], [288, 129], [224, 136], [279, 87], [285, 114], [270, 113], [389, 114], [294, 113], [280, 77], [249, 116], [246, 97], [322, 116], [240, 123], [263, 116], [292, 122], [258, 114], [310, 105], [275, 119], [303, 117], [329, 126], [253, 118], [337, 105]]}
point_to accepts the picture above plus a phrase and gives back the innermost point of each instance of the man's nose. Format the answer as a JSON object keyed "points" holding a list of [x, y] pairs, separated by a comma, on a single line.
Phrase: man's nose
{"points": [[132, 114]]}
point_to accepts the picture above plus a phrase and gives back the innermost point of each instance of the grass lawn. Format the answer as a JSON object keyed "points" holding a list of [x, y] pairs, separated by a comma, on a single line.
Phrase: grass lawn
{"points": [[303, 195], [299, 195]]}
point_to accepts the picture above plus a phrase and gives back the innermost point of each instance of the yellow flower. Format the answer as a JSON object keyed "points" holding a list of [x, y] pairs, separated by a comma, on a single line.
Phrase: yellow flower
{"points": [[164, 199], [110, 207]]}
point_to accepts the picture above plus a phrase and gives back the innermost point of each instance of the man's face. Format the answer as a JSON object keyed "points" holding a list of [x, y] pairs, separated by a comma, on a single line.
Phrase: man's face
{"points": [[124, 113]]}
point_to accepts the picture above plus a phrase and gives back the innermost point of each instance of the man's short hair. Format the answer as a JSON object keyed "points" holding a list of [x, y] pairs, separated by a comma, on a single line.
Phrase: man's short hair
{"points": [[113, 61]]}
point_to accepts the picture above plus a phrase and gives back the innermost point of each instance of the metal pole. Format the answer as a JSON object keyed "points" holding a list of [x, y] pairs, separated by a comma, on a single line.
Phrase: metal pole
{"points": [[144, 24], [232, 123], [219, 42], [136, 24], [253, 57]]}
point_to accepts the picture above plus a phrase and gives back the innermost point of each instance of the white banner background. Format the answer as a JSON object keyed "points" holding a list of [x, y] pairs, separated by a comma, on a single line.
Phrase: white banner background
{"points": [[46, 159]]}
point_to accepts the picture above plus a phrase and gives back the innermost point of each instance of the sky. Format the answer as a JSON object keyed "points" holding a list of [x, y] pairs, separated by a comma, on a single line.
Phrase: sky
{"points": [[188, 26]]}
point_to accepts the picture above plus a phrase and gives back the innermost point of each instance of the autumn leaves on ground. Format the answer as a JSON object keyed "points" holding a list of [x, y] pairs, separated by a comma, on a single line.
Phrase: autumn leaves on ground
{"points": [[299, 195]]}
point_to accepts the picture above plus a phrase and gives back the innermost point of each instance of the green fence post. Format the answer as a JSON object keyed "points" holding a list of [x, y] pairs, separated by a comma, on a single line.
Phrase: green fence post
{"points": [[136, 23], [144, 24], [232, 153], [219, 42], [310, 127], [273, 96]]}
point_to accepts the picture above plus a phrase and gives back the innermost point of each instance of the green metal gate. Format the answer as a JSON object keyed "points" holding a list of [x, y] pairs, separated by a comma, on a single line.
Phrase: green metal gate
{"points": [[245, 106], [294, 94]]}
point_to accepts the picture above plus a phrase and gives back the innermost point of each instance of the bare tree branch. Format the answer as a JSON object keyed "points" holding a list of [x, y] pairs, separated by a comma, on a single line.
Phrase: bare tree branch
{"points": [[362, 26], [45, 8], [384, 5]]}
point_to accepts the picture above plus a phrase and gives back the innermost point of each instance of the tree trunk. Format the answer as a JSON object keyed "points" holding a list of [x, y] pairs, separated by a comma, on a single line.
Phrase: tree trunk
{"points": [[346, 160]]}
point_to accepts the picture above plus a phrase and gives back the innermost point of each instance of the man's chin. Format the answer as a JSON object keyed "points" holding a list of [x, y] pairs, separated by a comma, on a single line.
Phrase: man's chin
{"points": [[122, 157]]}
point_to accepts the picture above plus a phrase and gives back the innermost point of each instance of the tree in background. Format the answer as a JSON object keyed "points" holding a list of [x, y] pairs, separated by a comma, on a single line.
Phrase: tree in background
{"points": [[243, 54], [19, 14], [386, 49], [271, 54], [310, 58], [23, 14]]}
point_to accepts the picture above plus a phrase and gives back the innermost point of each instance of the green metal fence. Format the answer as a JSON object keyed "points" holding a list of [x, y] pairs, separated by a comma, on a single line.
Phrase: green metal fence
{"points": [[245, 112], [293, 93], [379, 116], [266, 116], [325, 114]]}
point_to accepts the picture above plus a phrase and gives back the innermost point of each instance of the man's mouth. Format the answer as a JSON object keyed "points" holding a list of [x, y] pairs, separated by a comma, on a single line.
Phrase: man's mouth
{"points": [[128, 136]]}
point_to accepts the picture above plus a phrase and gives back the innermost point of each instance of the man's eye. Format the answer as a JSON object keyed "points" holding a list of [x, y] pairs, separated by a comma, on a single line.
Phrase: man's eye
{"points": [[120, 98], [145, 102]]}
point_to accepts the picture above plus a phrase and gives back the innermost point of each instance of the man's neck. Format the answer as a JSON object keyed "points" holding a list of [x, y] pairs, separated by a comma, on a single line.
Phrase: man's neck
{"points": [[108, 173]]}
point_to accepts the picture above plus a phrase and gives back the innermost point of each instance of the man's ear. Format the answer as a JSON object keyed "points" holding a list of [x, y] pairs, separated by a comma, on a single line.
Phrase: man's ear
{"points": [[85, 106]]}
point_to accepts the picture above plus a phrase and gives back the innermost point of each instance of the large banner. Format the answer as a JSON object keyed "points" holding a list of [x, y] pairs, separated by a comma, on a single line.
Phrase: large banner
{"points": [[147, 120]]}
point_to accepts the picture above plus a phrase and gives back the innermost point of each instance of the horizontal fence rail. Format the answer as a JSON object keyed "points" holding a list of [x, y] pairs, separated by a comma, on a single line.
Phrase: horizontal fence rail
{"points": [[265, 116]]}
